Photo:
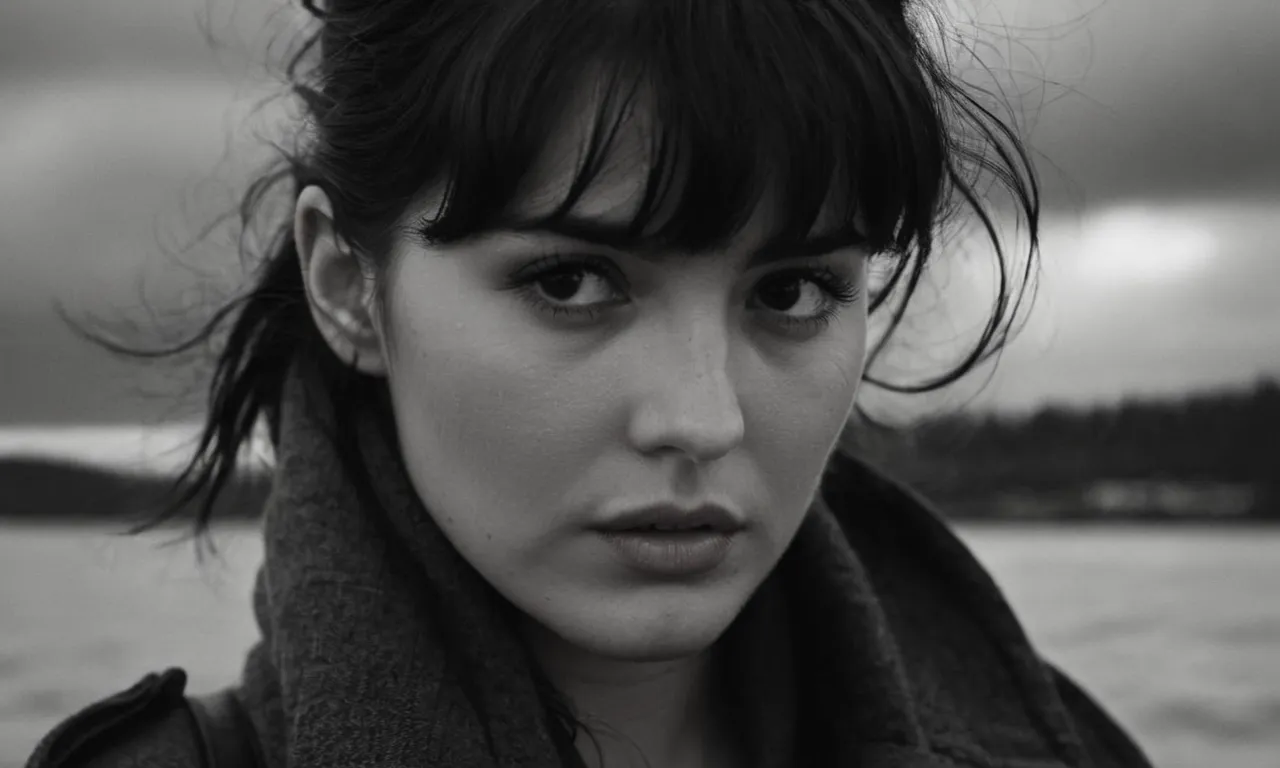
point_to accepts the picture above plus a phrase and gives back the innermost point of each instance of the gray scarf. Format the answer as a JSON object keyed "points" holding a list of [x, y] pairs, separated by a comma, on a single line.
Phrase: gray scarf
{"points": [[382, 647]]}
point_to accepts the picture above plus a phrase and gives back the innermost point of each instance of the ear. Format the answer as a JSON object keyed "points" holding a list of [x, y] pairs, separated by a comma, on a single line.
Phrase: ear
{"points": [[339, 290]]}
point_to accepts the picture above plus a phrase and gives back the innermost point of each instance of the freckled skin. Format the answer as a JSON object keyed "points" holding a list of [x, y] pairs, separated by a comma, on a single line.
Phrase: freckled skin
{"points": [[521, 429]]}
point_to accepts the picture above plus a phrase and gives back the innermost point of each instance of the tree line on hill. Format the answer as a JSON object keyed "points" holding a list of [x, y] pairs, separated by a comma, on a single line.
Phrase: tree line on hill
{"points": [[1047, 465], [1219, 439], [39, 488]]}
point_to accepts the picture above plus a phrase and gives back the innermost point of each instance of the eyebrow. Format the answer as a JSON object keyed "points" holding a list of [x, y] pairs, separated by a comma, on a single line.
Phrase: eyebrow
{"points": [[619, 236]]}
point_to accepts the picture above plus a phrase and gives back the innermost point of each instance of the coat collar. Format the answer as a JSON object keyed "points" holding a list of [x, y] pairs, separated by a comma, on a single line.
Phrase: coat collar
{"points": [[880, 641]]}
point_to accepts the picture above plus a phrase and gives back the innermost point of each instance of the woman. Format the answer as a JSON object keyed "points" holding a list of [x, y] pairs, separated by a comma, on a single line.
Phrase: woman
{"points": [[556, 351]]}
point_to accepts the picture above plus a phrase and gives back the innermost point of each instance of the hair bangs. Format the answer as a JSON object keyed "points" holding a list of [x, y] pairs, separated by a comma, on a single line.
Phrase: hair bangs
{"points": [[814, 109], [832, 113]]}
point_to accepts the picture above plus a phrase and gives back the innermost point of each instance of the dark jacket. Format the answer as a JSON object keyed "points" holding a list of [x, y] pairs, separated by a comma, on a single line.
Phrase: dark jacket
{"points": [[938, 608], [150, 725]]}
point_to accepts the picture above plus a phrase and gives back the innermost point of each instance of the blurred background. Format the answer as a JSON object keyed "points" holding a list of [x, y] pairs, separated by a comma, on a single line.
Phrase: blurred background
{"points": [[1116, 472]]}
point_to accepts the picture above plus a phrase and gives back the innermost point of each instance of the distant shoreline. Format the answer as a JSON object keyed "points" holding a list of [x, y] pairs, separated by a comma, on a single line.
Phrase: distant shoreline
{"points": [[45, 492], [1207, 460]]}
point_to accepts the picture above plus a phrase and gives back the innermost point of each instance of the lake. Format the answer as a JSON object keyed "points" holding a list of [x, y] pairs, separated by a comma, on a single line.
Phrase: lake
{"points": [[1175, 630]]}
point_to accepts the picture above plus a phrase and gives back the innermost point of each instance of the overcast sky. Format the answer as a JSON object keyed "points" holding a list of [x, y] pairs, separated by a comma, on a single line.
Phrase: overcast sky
{"points": [[1155, 122]]}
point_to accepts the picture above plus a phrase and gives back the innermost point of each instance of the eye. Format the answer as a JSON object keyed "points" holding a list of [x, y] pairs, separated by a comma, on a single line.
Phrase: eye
{"points": [[582, 287], [785, 295], [574, 286], [570, 286], [805, 297]]}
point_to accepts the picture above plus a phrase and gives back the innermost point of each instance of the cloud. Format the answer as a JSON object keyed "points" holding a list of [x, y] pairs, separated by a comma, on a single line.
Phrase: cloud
{"points": [[1150, 99], [1155, 299], [103, 181], [103, 175], [115, 116], [1123, 98], [40, 39]]}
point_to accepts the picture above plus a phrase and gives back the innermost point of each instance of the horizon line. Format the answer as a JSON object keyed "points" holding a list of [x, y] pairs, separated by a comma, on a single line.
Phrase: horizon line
{"points": [[146, 448]]}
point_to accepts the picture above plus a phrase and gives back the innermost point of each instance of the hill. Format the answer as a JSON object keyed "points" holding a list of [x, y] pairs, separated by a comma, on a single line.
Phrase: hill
{"points": [[1209, 457], [45, 489]]}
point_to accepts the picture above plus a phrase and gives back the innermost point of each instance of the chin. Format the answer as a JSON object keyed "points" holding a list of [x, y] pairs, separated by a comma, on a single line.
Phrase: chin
{"points": [[651, 633], [639, 648]]}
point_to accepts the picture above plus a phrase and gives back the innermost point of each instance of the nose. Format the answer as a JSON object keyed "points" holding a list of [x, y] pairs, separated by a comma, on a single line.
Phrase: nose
{"points": [[688, 403]]}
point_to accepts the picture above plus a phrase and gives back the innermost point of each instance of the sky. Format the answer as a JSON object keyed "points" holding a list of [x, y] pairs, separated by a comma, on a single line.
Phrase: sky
{"points": [[1154, 125]]}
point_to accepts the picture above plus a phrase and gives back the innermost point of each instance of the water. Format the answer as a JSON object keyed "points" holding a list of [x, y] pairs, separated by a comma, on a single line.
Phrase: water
{"points": [[1176, 631]]}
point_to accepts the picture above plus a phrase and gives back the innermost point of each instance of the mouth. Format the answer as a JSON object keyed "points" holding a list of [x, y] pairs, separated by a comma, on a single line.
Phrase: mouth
{"points": [[665, 550], [670, 519]]}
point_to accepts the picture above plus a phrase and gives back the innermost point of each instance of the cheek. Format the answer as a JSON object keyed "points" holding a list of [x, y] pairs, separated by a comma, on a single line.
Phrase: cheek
{"points": [[815, 380], [474, 388], [802, 405]]}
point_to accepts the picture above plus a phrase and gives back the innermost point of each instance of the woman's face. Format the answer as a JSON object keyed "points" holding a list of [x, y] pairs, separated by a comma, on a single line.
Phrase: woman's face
{"points": [[543, 385]]}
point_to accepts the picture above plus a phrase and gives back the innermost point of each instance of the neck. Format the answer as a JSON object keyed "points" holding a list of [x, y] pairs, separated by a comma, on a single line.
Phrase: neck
{"points": [[655, 714]]}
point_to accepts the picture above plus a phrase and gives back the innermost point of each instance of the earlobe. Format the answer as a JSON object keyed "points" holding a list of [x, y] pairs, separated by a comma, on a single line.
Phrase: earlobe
{"points": [[339, 291]]}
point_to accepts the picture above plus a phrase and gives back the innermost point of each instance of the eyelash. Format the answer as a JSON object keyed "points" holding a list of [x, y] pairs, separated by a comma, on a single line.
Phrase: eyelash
{"points": [[840, 291]]}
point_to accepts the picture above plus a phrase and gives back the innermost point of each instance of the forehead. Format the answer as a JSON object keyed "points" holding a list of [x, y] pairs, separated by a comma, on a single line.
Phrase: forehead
{"points": [[616, 188]]}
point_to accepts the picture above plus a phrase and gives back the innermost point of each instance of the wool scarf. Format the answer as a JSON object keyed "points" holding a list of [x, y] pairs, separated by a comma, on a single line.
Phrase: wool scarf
{"points": [[878, 641]]}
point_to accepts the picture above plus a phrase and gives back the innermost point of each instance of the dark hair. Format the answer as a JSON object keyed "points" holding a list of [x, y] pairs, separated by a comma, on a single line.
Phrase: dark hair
{"points": [[829, 100]]}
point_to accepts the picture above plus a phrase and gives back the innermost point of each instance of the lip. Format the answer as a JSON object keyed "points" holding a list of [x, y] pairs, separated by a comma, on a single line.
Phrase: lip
{"points": [[670, 554], [711, 517]]}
